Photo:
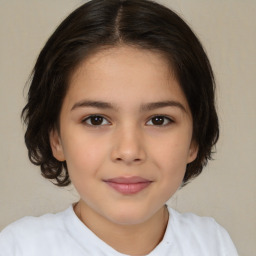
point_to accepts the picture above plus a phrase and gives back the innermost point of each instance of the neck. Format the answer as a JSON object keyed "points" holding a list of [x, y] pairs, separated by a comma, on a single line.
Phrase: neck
{"points": [[143, 237]]}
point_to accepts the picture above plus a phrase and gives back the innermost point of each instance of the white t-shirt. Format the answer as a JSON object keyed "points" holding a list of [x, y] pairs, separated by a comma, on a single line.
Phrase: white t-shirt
{"points": [[63, 234]]}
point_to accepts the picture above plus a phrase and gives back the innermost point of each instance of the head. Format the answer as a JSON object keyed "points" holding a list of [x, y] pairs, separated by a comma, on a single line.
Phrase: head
{"points": [[100, 25]]}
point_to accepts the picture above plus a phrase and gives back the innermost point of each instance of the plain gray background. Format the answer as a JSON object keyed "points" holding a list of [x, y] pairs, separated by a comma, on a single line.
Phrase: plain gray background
{"points": [[225, 190]]}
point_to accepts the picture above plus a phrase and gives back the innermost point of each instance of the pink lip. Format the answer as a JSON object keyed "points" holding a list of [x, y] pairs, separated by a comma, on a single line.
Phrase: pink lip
{"points": [[128, 185]]}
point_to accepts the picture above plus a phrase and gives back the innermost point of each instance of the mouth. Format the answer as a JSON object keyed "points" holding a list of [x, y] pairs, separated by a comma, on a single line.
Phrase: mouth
{"points": [[128, 185]]}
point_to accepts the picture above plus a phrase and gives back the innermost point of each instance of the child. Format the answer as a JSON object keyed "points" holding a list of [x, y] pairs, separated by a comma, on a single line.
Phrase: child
{"points": [[121, 104]]}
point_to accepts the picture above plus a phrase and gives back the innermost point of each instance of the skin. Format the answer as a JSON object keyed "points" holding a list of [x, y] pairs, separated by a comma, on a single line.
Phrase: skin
{"points": [[127, 141]]}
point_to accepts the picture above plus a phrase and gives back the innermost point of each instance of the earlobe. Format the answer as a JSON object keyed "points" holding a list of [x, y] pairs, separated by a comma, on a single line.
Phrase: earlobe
{"points": [[56, 146], [193, 150]]}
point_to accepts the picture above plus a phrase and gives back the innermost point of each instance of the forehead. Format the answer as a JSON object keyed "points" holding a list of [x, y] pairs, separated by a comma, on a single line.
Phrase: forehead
{"points": [[132, 58], [115, 73]]}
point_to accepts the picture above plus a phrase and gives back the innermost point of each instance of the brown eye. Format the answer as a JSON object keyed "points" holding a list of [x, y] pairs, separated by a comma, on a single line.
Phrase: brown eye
{"points": [[159, 121], [96, 120]]}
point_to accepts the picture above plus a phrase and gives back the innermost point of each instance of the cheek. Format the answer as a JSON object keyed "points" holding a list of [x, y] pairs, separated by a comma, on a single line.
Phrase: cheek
{"points": [[172, 162], [171, 156], [84, 156], [84, 160], [172, 152]]}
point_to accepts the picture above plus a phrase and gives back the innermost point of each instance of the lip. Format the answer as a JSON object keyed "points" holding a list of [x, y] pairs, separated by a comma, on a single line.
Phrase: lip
{"points": [[128, 185]]}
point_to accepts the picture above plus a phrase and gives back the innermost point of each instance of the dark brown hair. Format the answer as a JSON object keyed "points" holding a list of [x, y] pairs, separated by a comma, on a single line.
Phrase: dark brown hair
{"points": [[108, 23]]}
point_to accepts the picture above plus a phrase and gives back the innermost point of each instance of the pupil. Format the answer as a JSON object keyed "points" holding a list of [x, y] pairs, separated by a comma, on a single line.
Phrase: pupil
{"points": [[96, 120], [158, 120]]}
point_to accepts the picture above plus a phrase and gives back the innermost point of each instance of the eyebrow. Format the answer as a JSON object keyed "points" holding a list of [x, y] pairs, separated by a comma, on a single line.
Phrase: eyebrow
{"points": [[144, 107], [162, 104], [94, 104]]}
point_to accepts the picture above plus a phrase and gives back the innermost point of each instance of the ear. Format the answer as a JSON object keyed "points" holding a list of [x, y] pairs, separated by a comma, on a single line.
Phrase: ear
{"points": [[193, 150], [56, 145]]}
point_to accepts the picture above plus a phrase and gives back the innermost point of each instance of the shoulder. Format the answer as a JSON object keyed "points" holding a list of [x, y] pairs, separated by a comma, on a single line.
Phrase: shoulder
{"points": [[32, 231], [30, 224], [200, 233], [192, 222]]}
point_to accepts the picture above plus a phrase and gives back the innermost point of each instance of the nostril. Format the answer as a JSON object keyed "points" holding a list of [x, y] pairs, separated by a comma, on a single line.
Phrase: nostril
{"points": [[134, 160]]}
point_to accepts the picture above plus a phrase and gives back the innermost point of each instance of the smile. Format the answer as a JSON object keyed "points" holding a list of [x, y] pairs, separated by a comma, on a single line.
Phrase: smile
{"points": [[128, 185]]}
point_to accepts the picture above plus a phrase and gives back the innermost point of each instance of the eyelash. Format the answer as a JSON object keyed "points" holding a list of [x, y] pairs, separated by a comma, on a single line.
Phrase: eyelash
{"points": [[89, 118], [101, 119], [167, 120]]}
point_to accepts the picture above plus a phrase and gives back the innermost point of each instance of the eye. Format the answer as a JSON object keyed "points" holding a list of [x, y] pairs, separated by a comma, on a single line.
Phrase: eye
{"points": [[159, 121], [96, 120]]}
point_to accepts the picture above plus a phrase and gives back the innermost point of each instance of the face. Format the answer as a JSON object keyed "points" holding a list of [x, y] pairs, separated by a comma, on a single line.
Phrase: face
{"points": [[125, 133]]}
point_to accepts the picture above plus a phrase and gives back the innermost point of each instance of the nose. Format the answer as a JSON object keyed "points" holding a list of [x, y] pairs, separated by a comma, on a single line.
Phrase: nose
{"points": [[128, 147]]}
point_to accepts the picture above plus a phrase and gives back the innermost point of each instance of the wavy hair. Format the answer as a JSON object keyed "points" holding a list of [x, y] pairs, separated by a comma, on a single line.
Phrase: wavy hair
{"points": [[97, 24]]}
